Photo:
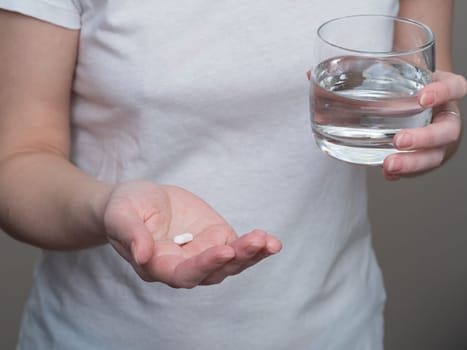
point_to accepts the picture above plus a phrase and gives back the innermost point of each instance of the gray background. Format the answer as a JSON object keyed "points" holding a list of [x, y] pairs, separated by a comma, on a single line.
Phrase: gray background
{"points": [[420, 237]]}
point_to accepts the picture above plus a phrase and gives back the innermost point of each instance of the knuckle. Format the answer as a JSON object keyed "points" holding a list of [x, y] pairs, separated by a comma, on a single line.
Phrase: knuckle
{"points": [[426, 138], [430, 137], [452, 133], [453, 136], [430, 160], [444, 92]]}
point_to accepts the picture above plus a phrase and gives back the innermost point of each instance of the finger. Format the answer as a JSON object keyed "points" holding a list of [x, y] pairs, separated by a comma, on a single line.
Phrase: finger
{"points": [[234, 268], [250, 244], [142, 246], [413, 163], [219, 234], [448, 87], [246, 249], [188, 265], [445, 129], [166, 256], [178, 272], [273, 245], [390, 176], [191, 272], [133, 237], [249, 249], [308, 74]]}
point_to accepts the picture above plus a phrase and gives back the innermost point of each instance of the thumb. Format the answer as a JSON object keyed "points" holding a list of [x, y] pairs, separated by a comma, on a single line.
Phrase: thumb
{"points": [[132, 240], [142, 244]]}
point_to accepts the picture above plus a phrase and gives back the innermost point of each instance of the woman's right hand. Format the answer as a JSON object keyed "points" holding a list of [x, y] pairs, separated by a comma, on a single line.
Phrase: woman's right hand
{"points": [[141, 219], [48, 202]]}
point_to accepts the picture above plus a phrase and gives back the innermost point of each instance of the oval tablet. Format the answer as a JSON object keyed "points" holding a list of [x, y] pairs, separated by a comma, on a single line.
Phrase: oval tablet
{"points": [[183, 238]]}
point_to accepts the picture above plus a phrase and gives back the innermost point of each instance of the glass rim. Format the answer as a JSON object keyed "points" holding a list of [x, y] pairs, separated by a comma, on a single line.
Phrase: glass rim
{"points": [[394, 53]]}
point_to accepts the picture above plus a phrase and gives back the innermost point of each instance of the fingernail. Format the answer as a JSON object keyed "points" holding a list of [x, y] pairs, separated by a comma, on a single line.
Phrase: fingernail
{"points": [[394, 165], [404, 141], [428, 99], [133, 252]]}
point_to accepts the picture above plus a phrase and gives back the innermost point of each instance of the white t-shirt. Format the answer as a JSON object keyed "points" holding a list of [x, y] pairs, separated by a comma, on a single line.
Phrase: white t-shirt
{"points": [[211, 96]]}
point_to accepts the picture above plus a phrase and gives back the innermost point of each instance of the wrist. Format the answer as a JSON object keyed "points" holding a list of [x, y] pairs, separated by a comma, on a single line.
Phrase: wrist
{"points": [[98, 199]]}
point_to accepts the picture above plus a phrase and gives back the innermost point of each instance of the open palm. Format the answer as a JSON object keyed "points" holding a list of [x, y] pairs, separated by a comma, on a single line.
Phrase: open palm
{"points": [[141, 219]]}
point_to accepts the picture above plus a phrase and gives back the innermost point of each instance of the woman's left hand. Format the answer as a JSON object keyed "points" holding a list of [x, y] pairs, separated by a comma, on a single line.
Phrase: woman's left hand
{"points": [[434, 143]]}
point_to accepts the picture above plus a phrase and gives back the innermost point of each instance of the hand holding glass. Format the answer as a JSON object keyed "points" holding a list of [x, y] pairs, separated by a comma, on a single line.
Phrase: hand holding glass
{"points": [[369, 69]]}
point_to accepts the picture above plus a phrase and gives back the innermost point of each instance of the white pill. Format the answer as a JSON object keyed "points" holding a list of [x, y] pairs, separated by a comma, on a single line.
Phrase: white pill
{"points": [[183, 238]]}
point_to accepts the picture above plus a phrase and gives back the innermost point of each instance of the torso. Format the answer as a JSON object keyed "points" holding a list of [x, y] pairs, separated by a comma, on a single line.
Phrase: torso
{"points": [[213, 96]]}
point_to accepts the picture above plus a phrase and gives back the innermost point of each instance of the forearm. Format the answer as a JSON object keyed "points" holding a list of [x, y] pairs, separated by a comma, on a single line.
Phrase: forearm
{"points": [[437, 14], [49, 203], [44, 199]]}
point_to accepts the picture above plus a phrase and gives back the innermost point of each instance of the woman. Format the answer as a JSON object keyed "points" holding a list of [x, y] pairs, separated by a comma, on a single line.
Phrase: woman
{"points": [[206, 98]]}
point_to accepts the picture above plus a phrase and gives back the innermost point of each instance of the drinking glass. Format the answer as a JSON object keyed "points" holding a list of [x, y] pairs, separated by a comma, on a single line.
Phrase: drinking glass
{"points": [[364, 85]]}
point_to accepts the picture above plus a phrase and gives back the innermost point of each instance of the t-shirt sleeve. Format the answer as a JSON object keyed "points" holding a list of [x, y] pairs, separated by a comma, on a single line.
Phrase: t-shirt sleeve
{"points": [[65, 13]]}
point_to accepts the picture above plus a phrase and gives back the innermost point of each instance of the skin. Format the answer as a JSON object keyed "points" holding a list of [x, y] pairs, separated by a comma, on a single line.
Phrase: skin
{"points": [[437, 142], [48, 202]]}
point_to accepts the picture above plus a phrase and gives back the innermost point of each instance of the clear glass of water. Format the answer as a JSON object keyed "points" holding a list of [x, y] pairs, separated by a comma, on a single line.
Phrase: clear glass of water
{"points": [[368, 71]]}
